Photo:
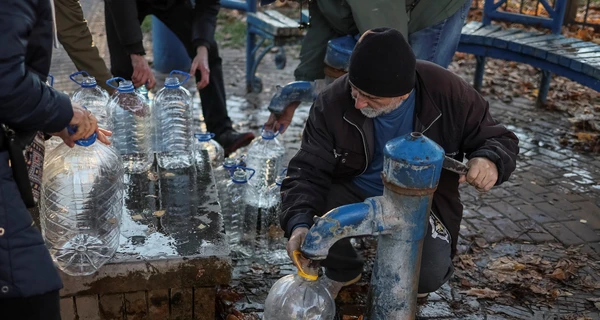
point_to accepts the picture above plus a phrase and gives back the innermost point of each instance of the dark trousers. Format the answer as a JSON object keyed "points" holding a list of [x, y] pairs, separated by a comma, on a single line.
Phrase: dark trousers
{"points": [[42, 307], [343, 263], [178, 19]]}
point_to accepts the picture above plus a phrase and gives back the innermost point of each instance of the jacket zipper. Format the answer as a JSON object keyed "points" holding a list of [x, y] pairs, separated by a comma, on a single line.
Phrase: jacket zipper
{"points": [[362, 135], [432, 122]]}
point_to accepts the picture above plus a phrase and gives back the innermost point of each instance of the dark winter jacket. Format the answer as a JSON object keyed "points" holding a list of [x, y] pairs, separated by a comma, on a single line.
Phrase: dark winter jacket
{"points": [[127, 16], [447, 110], [27, 105]]}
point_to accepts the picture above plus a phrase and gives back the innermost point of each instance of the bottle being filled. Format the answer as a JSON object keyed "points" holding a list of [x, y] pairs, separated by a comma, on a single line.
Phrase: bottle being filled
{"points": [[172, 113], [265, 154], [300, 296], [130, 120], [81, 204], [271, 237]]}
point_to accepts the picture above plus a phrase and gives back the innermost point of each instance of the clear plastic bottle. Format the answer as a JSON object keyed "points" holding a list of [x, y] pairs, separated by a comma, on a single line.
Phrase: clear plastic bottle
{"points": [[172, 112], [91, 96], [240, 224], [222, 176], [299, 296], [265, 154], [271, 238], [81, 205], [204, 141], [130, 120]]}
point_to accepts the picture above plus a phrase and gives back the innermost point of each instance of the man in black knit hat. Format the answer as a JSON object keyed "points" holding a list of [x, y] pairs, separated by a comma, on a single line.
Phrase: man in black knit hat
{"points": [[388, 93]]}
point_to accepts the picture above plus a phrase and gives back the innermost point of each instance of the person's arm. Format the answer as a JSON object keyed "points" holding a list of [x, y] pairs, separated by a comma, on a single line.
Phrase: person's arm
{"points": [[383, 13], [205, 23], [26, 102], [124, 16], [309, 174], [484, 137], [75, 37]]}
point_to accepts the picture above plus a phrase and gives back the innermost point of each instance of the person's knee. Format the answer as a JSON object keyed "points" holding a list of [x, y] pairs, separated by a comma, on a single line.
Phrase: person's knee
{"points": [[433, 276]]}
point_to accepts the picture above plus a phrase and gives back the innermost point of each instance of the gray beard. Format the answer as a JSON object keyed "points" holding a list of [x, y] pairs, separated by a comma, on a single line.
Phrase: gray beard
{"points": [[374, 113]]}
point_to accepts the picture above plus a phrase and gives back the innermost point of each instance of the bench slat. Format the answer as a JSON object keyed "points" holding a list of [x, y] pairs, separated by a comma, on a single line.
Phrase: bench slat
{"points": [[567, 60], [554, 56], [554, 45], [530, 47], [503, 41], [482, 33], [519, 44], [273, 25], [291, 24], [471, 27], [489, 41]]}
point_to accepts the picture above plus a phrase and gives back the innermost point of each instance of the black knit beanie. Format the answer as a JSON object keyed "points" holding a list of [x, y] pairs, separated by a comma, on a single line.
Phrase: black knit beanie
{"points": [[383, 64]]}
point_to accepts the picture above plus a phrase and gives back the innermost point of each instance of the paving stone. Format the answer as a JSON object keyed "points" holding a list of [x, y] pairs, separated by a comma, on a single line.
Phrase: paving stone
{"points": [[541, 237], [537, 180], [489, 212], [67, 309], [583, 231], [466, 229], [527, 195], [486, 230], [516, 312], [590, 212], [533, 187], [559, 201], [508, 211], [510, 229], [500, 193], [552, 154], [468, 213], [563, 234], [554, 212], [435, 310], [566, 193]]}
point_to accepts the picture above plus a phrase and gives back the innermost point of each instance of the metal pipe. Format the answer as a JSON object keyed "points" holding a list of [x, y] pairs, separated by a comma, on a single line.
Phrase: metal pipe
{"points": [[411, 170], [303, 91]]}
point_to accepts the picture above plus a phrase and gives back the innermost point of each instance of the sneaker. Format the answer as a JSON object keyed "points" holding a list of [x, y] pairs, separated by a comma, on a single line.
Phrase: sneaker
{"points": [[334, 287], [232, 140]]}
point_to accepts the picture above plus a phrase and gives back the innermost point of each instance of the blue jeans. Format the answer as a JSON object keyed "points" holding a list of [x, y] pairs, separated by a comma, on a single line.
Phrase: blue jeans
{"points": [[438, 43]]}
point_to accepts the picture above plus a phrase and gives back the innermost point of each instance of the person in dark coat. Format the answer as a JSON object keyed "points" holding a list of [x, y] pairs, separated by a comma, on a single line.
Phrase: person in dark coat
{"points": [[387, 93], [29, 282], [195, 26]]}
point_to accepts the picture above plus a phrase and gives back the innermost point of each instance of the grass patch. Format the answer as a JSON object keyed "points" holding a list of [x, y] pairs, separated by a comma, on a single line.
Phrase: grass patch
{"points": [[231, 29], [147, 24]]}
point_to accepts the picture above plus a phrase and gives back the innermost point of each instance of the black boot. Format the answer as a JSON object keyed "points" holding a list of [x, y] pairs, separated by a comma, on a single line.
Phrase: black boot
{"points": [[232, 140]]}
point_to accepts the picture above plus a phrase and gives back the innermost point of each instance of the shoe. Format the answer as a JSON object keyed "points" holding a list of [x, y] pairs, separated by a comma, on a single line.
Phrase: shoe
{"points": [[334, 287], [232, 140], [422, 296]]}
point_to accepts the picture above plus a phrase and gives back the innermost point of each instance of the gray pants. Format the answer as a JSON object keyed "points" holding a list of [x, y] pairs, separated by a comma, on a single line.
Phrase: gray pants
{"points": [[343, 263]]}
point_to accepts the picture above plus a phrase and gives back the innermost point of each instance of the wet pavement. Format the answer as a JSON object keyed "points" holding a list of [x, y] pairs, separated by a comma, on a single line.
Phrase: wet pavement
{"points": [[529, 249]]}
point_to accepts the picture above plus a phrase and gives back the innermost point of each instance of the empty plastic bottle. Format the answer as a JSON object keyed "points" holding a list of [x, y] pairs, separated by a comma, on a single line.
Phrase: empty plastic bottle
{"points": [[173, 123], [271, 240], [81, 205], [241, 222], [91, 96], [300, 297], [204, 141], [265, 154], [130, 120]]}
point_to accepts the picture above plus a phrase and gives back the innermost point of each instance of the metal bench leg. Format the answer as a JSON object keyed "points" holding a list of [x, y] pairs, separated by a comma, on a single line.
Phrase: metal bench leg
{"points": [[479, 70], [544, 87], [250, 57]]}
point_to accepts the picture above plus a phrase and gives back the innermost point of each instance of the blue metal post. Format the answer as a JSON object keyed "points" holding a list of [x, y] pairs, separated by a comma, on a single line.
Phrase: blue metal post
{"points": [[411, 171], [169, 53]]}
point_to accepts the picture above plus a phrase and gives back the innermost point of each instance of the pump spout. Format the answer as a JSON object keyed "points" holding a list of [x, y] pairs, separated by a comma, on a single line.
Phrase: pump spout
{"points": [[303, 91], [352, 220]]}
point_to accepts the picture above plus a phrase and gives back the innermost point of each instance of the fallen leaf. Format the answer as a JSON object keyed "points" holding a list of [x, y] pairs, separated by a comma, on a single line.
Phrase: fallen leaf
{"points": [[506, 264], [583, 221], [159, 213], [202, 226], [597, 305], [558, 274], [485, 293], [137, 217]]}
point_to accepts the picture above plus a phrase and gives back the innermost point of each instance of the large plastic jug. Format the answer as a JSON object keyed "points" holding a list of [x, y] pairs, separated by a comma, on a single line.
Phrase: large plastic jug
{"points": [[172, 110], [265, 155], [91, 96], [300, 297], [271, 237], [81, 204], [205, 141], [130, 119], [241, 221]]}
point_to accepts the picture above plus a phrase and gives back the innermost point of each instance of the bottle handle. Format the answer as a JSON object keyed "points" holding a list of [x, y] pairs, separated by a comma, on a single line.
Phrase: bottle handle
{"points": [[187, 75], [72, 76], [296, 257], [51, 80], [199, 135], [283, 172], [246, 169], [115, 79]]}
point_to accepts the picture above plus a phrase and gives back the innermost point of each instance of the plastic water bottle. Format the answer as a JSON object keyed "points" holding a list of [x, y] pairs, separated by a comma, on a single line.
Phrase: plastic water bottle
{"points": [[91, 96], [173, 123], [271, 239], [299, 296], [204, 141], [265, 154], [81, 205], [240, 224], [130, 120]]}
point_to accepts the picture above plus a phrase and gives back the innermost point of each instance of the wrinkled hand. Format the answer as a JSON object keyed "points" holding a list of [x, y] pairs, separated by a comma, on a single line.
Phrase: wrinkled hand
{"points": [[482, 174], [142, 74], [86, 124], [282, 122], [295, 242], [200, 63]]}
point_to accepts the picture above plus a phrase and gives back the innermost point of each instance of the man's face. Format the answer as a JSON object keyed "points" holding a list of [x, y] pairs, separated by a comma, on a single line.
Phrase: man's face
{"points": [[371, 106]]}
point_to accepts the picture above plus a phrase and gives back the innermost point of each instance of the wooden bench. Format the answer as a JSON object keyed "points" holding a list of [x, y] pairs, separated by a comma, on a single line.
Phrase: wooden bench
{"points": [[551, 52]]}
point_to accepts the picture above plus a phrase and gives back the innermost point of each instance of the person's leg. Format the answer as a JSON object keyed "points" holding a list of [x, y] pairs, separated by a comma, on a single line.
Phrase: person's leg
{"points": [[179, 19], [436, 261], [438, 43], [41, 307], [74, 35]]}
